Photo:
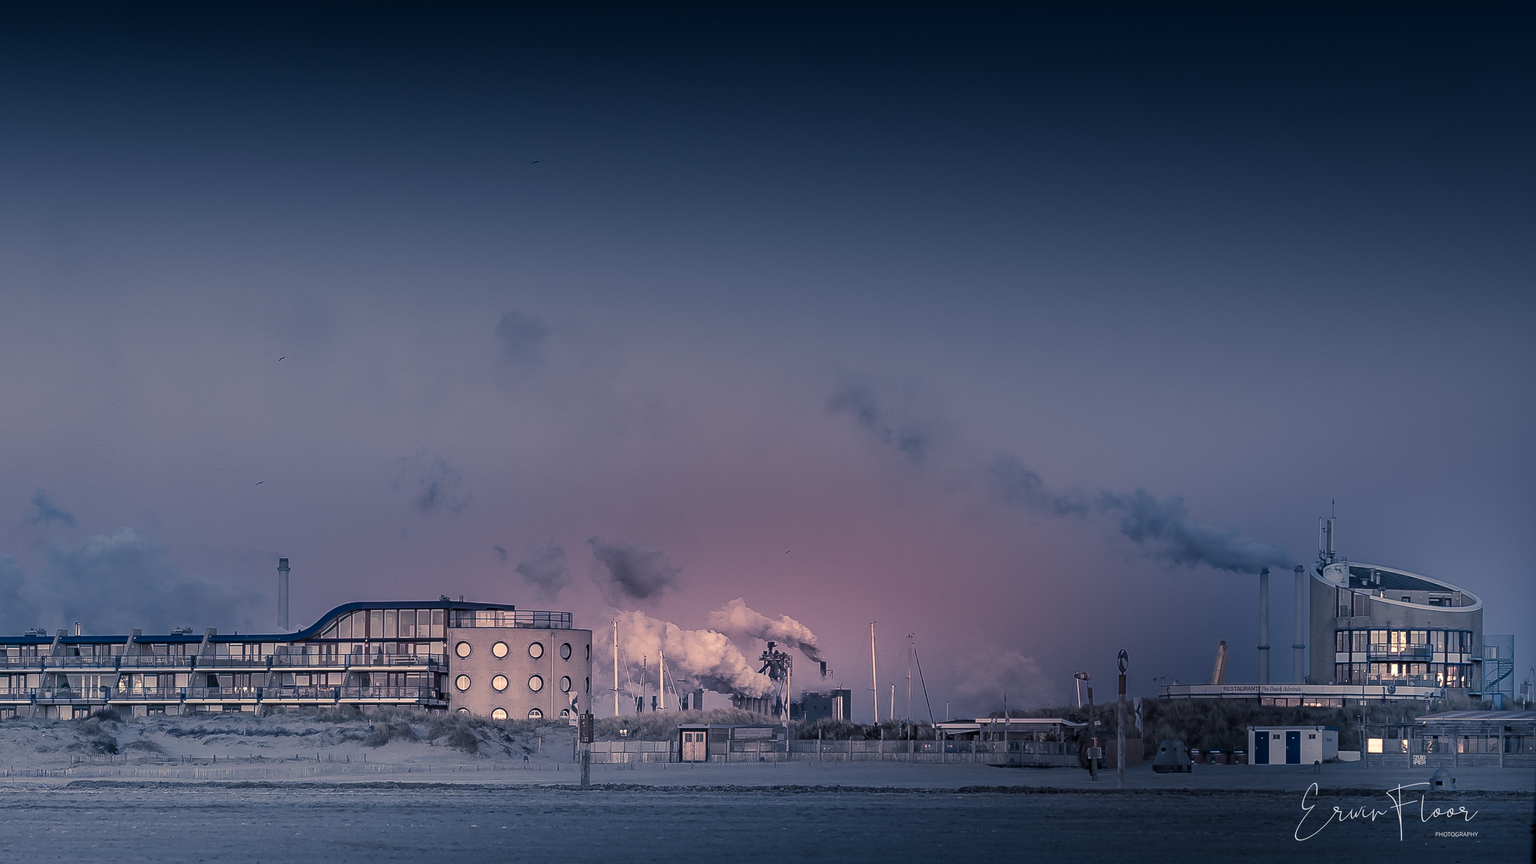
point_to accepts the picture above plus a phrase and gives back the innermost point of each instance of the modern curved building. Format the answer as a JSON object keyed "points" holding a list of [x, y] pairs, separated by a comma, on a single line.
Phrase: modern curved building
{"points": [[1377, 625], [488, 659]]}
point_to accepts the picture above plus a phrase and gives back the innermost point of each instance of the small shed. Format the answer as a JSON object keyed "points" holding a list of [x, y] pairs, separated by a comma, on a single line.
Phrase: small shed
{"points": [[1292, 745], [693, 742]]}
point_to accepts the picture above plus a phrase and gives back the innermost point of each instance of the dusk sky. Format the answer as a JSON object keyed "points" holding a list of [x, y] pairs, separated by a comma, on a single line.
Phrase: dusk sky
{"points": [[929, 321]]}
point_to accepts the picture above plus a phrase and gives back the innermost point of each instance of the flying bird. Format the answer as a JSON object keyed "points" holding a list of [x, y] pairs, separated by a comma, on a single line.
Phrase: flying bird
{"points": [[280, 359], [259, 482], [535, 162]]}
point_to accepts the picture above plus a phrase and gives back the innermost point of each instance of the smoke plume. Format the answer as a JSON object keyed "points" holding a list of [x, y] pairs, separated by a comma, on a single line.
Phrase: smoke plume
{"points": [[1165, 530], [522, 340], [886, 424], [432, 483], [544, 569], [1018, 486], [738, 621], [47, 511], [631, 571], [695, 658]]}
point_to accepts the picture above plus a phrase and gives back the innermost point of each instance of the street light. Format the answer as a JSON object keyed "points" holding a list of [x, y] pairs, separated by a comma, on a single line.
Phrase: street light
{"points": [[1093, 739]]}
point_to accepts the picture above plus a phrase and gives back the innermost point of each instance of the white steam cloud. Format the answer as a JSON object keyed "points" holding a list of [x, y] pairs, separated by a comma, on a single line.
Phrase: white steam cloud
{"points": [[738, 621], [695, 658]]}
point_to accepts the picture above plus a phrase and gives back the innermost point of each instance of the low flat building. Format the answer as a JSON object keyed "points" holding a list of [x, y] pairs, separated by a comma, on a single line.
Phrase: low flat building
{"points": [[1292, 745], [487, 659], [1449, 739]]}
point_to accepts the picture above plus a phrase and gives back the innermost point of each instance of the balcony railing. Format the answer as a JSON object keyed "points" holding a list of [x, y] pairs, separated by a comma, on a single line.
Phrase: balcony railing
{"points": [[1400, 652], [285, 661], [101, 695]]}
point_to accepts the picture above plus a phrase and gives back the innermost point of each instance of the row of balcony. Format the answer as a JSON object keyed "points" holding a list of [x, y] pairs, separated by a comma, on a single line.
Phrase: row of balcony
{"points": [[220, 694], [271, 661]]}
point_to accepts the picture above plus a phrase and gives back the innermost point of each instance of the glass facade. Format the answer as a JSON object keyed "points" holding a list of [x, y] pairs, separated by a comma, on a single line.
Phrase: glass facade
{"points": [[1426, 658]]}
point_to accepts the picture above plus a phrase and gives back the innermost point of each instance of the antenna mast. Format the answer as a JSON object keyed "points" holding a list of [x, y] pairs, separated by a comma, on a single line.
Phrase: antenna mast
{"points": [[874, 679], [615, 667]]}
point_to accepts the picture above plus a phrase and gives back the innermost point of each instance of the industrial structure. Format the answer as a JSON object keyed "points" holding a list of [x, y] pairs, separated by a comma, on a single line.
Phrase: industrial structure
{"points": [[487, 659], [1367, 632]]}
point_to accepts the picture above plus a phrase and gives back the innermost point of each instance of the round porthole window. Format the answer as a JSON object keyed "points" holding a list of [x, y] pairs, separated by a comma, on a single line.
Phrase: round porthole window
{"points": [[463, 710], [565, 713], [565, 684], [461, 682], [535, 714], [536, 650], [499, 683], [462, 649], [565, 651], [535, 683], [499, 649], [499, 714]]}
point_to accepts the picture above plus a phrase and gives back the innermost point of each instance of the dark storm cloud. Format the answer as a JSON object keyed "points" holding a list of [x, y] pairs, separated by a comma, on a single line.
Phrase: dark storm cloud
{"points": [[522, 340], [1165, 530], [17, 611], [432, 483], [544, 569], [113, 583], [885, 422], [1019, 486], [632, 571], [48, 512]]}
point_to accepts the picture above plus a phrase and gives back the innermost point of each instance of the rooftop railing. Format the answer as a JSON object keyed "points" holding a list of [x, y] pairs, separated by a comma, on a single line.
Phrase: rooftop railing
{"points": [[528, 618]]}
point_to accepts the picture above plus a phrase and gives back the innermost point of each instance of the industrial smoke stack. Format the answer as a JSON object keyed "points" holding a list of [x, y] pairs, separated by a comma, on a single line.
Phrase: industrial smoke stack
{"points": [[1264, 626], [282, 593], [1299, 647]]}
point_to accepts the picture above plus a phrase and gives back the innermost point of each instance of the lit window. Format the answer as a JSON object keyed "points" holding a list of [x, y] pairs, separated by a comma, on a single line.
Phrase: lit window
{"points": [[565, 651], [536, 650], [565, 684], [461, 682], [499, 649], [1373, 745], [463, 710], [535, 714], [499, 714], [462, 649], [565, 713], [535, 683], [499, 683]]}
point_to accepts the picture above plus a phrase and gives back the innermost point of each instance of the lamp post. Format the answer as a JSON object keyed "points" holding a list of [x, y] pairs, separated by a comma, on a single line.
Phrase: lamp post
{"points": [[1093, 737], [1121, 661]]}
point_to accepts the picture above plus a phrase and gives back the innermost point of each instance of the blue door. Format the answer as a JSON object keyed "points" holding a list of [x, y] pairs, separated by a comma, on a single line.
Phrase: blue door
{"points": [[1261, 748], [1293, 748]]}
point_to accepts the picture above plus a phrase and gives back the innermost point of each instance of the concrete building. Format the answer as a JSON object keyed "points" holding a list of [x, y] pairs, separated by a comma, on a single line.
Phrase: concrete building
{"points": [[1292, 745], [487, 659], [1382, 626], [832, 705], [1371, 633]]}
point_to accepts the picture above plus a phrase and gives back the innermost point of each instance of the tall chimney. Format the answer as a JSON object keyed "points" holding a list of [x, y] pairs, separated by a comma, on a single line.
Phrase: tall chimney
{"points": [[1299, 648], [282, 593], [1264, 626]]}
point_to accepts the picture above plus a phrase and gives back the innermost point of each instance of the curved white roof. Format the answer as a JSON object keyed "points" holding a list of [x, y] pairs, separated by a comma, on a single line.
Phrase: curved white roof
{"points": [[1376, 579]]}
